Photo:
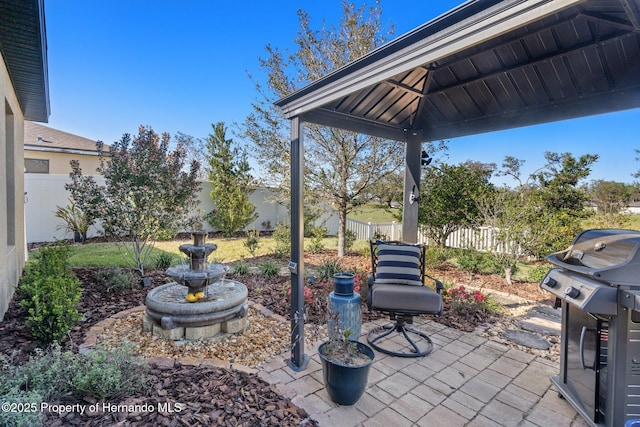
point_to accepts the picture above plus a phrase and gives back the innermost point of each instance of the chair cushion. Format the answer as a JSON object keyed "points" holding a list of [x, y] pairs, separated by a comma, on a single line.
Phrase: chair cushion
{"points": [[411, 299], [398, 264]]}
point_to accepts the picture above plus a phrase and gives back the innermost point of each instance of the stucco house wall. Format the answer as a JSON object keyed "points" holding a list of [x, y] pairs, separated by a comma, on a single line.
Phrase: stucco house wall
{"points": [[24, 95], [12, 236]]}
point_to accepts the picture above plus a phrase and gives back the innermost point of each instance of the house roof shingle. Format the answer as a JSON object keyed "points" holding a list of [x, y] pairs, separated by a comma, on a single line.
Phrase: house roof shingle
{"points": [[40, 137]]}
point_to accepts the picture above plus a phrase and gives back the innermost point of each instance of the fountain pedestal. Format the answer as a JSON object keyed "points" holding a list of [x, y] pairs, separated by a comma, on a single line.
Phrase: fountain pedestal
{"points": [[221, 307]]}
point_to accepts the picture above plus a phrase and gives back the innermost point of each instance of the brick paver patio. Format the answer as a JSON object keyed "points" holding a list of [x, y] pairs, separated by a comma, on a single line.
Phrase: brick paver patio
{"points": [[466, 381]]}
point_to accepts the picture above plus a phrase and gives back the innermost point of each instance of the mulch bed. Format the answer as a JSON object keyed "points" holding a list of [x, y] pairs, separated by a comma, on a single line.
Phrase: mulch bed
{"points": [[213, 395], [192, 396]]}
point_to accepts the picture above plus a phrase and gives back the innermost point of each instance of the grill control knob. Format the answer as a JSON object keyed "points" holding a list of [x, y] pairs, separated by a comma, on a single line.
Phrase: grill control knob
{"points": [[572, 292], [550, 282]]}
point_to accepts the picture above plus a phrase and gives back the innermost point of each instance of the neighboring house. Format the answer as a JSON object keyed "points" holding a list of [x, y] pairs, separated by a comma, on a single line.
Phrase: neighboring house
{"points": [[49, 151], [24, 95]]}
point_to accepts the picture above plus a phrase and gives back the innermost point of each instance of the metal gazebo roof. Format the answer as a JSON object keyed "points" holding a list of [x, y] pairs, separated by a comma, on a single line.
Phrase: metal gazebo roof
{"points": [[486, 65]]}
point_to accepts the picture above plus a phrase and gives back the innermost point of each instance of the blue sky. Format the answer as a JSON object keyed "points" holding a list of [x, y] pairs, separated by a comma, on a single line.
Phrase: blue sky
{"points": [[179, 66]]}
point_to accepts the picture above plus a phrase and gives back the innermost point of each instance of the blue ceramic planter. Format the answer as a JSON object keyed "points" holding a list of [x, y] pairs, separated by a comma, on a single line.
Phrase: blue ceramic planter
{"points": [[346, 384]]}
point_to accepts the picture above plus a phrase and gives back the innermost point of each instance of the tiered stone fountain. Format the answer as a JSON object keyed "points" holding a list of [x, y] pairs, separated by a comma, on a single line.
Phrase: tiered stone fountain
{"points": [[201, 303]]}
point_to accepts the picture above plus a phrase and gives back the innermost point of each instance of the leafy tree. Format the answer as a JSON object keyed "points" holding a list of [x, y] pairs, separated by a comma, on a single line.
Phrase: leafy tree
{"points": [[388, 190], [231, 181], [542, 214], [147, 190], [447, 199], [509, 214], [341, 165], [562, 200], [559, 180], [610, 198]]}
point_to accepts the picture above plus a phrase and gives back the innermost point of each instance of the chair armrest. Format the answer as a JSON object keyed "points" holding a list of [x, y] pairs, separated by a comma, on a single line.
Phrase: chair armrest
{"points": [[439, 285], [370, 281]]}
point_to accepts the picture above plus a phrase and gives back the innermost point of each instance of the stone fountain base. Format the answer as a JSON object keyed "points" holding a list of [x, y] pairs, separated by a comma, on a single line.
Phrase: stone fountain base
{"points": [[223, 311]]}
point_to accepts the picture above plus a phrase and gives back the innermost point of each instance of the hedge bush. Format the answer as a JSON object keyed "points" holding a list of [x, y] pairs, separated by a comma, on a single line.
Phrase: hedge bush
{"points": [[50, 292]]}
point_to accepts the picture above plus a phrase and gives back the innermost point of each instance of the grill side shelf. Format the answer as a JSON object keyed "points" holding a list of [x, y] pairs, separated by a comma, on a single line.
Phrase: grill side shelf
{"points": [[587, 294]]}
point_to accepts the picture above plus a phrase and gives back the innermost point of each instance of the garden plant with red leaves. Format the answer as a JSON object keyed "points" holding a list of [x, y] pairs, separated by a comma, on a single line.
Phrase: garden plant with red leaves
{"points": [[465, 301]]}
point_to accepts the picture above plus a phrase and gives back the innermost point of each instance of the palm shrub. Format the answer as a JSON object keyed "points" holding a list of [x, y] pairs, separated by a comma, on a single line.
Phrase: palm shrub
{"points": [[75, 220], [50, 294]]}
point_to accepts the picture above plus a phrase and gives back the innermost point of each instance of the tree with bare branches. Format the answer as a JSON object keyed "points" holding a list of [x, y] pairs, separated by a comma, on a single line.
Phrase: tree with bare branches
{"points": [[341, 165]]}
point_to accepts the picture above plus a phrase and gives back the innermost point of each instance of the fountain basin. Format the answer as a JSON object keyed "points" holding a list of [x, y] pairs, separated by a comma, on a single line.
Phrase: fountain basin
{"points": [[223, 310], [197, 280]]}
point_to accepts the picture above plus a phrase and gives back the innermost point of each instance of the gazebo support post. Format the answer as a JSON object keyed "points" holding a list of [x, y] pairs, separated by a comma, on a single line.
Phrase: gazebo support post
{"points": [[298, 361], [412, 163]]}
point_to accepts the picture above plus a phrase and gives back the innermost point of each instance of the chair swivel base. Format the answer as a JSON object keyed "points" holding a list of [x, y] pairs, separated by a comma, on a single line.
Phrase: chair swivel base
{"points": [[380, 332]]}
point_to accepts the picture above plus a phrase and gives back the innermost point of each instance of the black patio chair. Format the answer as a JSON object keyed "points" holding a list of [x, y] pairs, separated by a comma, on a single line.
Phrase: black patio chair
{"points": [[397, 288]]}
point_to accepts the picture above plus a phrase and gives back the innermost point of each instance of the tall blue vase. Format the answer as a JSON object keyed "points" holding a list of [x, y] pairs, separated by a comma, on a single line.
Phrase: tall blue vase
{"points": [[346, 304]]}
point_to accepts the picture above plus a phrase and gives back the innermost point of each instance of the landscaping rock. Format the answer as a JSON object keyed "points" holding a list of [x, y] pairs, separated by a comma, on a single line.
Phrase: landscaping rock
{"points": [[542, 325], [526, 339], [549, 311]]}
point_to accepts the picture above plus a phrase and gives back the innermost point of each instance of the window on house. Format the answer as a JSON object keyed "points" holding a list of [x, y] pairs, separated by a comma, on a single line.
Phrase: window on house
{"points": [[36, 166]]}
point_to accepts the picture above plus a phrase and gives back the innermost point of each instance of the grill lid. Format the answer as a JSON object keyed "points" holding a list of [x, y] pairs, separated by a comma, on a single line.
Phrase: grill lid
{"points": [[608, 255]]}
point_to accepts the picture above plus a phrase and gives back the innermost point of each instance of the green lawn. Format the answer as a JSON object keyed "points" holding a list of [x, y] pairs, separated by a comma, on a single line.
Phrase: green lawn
{"points": [[229, 250], [232, 249], [374, 213], [108, 254], [634, 222]]}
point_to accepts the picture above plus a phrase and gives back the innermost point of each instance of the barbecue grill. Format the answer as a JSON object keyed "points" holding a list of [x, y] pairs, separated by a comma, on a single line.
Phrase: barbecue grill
{"points": [[597, 284]]}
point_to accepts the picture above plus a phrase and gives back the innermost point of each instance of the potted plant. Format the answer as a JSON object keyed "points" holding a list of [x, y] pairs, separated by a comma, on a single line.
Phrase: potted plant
{"points": [[75, 221], [345, 361], [345, 368]]}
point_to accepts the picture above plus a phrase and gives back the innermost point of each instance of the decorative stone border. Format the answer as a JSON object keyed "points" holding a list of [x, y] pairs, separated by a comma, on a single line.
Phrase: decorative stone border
{"points": [[92, 335]]}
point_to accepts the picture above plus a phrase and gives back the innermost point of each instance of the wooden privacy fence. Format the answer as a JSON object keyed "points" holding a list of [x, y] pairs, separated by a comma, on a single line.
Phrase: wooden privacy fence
{"points": [[480, 239]]}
